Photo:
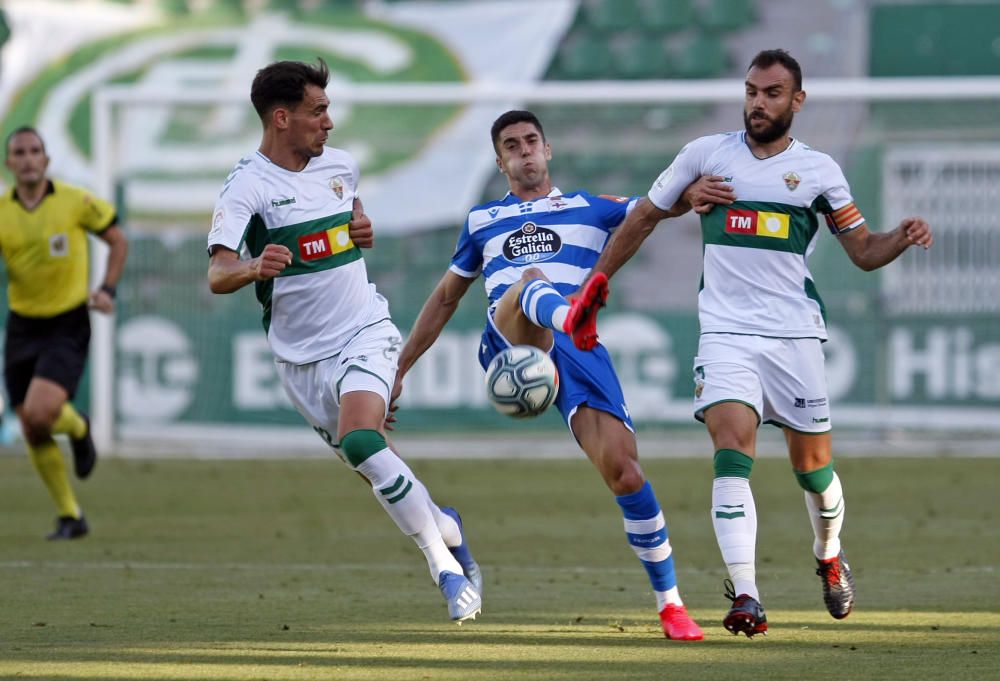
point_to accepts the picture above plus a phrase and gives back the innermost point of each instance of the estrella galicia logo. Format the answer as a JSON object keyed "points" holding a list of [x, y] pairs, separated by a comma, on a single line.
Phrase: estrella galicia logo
{"points": [[531, 244]]}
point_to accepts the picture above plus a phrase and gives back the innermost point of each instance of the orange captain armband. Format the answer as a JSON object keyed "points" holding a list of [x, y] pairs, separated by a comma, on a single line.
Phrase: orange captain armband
{"points": [[845, 219]]}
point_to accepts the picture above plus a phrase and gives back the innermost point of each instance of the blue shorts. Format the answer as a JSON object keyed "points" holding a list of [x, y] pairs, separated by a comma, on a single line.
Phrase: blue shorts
{"points": [[584, 377]]}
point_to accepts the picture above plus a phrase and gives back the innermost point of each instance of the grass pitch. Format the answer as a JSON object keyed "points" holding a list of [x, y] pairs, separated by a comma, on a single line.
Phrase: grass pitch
{"points": [[250, 570]]}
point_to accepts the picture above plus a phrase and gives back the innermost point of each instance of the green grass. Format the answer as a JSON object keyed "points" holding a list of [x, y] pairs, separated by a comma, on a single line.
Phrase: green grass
{"points": [[288, 570]]}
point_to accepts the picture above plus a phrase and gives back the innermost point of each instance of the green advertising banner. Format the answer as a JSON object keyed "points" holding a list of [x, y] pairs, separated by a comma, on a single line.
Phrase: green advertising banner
{"points": [[188, 357]]}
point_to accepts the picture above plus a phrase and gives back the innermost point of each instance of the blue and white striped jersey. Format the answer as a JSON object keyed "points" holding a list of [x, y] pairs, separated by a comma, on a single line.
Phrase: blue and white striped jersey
{"points": [[561, 234]]}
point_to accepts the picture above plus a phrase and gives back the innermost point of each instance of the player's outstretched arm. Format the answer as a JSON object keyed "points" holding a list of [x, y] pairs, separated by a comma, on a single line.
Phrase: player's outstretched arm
{"points": [[360, 227], [227, 273], [437, 310], [870, 251], [626, 240], [704, 193]]}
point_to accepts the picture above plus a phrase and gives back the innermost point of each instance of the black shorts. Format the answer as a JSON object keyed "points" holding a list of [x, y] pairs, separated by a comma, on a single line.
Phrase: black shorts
{"points": [[54, 348]]}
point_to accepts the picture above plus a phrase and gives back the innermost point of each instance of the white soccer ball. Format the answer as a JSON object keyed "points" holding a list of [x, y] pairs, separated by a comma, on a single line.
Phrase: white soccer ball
{"points": [[522, 381]]}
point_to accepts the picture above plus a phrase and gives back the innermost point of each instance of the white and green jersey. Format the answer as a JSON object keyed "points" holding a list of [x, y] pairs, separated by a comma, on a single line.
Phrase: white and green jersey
{"points": [[754, 278], [320, 301]]}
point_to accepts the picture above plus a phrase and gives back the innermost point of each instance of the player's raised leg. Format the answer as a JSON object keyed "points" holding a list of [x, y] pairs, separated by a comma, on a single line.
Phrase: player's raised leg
{"points": [[581, 323], [612, 449], [535, 304], [402, 496], [77, 426]]}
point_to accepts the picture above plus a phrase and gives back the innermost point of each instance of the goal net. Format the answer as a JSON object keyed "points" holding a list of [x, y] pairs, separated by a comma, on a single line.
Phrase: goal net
{"points": [[915, 345]]}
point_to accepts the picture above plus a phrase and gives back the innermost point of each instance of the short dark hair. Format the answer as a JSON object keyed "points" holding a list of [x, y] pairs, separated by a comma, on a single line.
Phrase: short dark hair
{"points": [[22, 129], [768, 58], [510, 118], [283, 83]]}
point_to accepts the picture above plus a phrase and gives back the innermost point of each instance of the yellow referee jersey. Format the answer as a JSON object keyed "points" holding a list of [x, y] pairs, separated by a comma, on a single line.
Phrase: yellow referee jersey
{"points": [[46, 248]]}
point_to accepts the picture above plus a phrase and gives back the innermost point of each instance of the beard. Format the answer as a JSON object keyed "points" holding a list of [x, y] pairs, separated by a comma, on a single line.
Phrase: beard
{"points": [[777, 129]]}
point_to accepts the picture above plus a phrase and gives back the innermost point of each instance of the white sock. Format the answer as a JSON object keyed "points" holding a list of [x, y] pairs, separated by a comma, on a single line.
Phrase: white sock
{"points": [[826, 513], [446, 525], [406, 501], [559, 317], [671, 596], [734, 517]]}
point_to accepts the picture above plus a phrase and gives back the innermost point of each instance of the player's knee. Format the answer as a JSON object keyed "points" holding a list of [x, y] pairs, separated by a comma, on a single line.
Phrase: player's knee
{"points": [[816, 481], [625, 478], [531, 274], [37, 422], [359, 445]]}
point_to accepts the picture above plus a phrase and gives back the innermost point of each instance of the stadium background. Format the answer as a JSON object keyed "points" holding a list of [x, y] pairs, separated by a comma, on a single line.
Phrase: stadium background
{"points": [[914, 347]]}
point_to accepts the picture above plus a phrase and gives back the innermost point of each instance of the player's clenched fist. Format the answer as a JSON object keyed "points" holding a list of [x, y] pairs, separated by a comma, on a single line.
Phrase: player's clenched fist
{"points": [[360, 227], [917, 232], [271, 262]]}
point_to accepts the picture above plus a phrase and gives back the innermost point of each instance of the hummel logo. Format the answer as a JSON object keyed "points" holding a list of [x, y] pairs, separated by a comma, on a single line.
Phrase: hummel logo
{"points": [[275, 203]]}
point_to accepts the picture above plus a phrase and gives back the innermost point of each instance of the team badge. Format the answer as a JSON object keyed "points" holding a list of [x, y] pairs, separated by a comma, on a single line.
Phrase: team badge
{"points": [[58, 246], [337, 185], [791, 180]]}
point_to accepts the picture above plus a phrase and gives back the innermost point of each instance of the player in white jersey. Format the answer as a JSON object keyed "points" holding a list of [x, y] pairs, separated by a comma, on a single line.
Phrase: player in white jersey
{"points": [[293, 206], [534, 247], [762, 321]]}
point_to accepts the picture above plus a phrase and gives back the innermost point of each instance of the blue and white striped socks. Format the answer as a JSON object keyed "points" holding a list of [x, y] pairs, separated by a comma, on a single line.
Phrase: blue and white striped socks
{"points": [[544, 305], [647, 534]]}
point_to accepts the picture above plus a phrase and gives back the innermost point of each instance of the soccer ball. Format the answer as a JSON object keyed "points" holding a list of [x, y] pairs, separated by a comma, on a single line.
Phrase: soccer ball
{"points": [[522, 381]]}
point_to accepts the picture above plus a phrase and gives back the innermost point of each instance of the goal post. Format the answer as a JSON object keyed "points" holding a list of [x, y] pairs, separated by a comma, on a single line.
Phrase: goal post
{"points": [[179, 365]]}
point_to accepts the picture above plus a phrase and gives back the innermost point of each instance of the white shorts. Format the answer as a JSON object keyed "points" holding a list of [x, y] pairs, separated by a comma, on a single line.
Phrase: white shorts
{"points": [[367, 363], [782, 379]]}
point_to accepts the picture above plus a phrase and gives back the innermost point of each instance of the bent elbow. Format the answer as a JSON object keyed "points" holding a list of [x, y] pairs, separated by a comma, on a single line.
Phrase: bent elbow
{"points": [[216, 284]]}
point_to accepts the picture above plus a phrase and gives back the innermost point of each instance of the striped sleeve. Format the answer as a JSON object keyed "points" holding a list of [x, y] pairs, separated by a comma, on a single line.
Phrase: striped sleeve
{"points": [[467, 261]]}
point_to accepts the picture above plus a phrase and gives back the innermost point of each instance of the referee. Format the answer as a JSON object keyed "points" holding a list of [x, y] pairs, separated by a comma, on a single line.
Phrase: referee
{"points": [[43, 240]]}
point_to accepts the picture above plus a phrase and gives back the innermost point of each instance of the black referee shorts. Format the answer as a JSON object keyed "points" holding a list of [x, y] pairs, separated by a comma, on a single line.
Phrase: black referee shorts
{"points": [[51, 347]]}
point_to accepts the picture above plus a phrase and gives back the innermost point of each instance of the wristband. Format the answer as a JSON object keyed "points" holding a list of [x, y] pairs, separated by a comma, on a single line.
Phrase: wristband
{"points": [[109, 289]]}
